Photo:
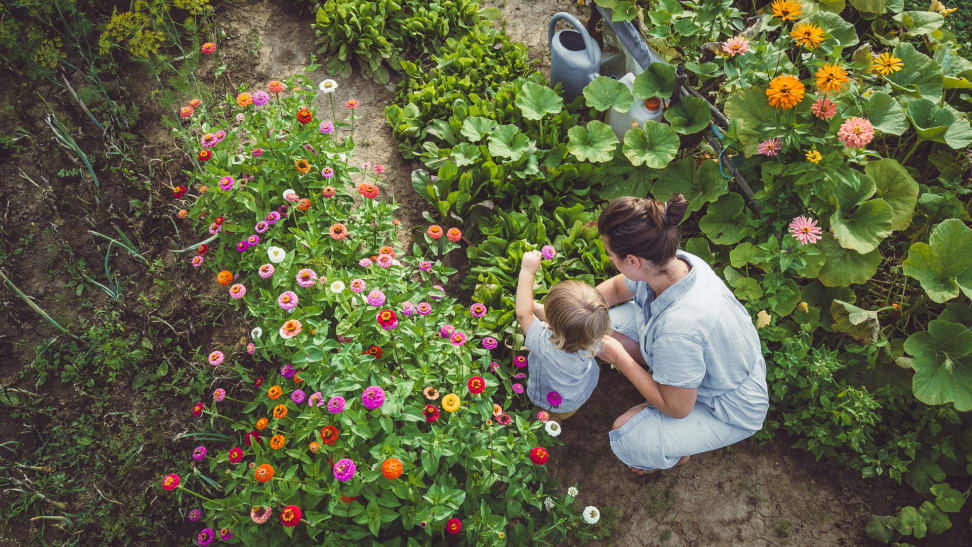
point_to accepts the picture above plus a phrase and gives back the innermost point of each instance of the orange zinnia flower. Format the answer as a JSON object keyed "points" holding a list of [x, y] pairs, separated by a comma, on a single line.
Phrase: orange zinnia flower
{"points": [[263, 473], [275, 86], [787, 10], [303, 166], [314, 446], [224, 277], [392, 468], [303, 204], [785, 92], [275, 392], [280, 412], [244, 99], [830, 79], [277, 441], [262, 424], [807, 34]]}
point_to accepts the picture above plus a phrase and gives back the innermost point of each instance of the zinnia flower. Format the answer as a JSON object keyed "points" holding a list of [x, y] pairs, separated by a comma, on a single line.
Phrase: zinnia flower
{"points": [[205, 537], [260, 515], [373, 397], [337, 287], [805, 230], [290, 329], [275, 86], [328, 191], [357, 285], [237, 291], [376, 298], [424, 265], [226, 183], [392, 468], [451, 402], [548, 252], [736, 46], [517, 388], [290, 516], [204, 155], [235, 455], [326, 128], [430, 393], [197, 409], [824, 108], [352, 103], [298, 396], [552, 428], [490, 343], [520, 361], [886, 63], [225, 534], [591, 514], [219, 394], [856, 132], [785, 91], [170, 482], [328, 86], [336, 404], [306, 277], [807, 34], [329, 434], [216, 358], [423, 308], [194, 515], [385, 260], [476, 385], [408, 308], [244, 100], [543, 416], [274, 392], [769, 147], [263, 473], [338, 231], [197, 261], [186, 112], [344, 470], [369, 191], [453, 526], [431, 413], [814, 156], [787, 10], [379, 168], [458, 338], [265, 272], [277, 441], [262, 423], [434, 231], [554, 398], [260, 98], [539, 455], [276, 255], [387, 319], [304, 116], [830, 78], [207, 48], [454, 235]]}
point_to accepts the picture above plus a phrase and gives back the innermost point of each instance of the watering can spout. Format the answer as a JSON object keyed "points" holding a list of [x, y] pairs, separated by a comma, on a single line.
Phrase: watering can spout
{"points": [[575, 58]]}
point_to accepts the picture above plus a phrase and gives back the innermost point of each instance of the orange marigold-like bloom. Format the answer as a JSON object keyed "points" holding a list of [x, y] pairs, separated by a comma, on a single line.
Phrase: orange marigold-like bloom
{"points": [[261, 424], [314, 446], [434, 231], [830, 79], [224, 277], [454, 235], [303, 166], [392, 468], [303, 204], [787, 10], [886, 63], [280, 412], [182, 213], [807, 34], [785, 92], [263, 473], [244, 99], [277, 441], [274, 392]]}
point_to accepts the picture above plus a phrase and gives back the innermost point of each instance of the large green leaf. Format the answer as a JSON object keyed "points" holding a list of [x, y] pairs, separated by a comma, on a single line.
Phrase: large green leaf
{"points": [[845, 267], [536, 101], [657, 81], [476, 128], [605, 93], [895, 186], [689, 115], [699, 185], [837, 31], [864, 227], [465, 153], [919, 22], [873, 7], [938, 124], [654, 144], [921, 76], [862, 324], [852, 187], [507, 141], [596, 143], [725, 222], [957, 69], [943, 364], [751, 115], [885, 114], [944, 264]]}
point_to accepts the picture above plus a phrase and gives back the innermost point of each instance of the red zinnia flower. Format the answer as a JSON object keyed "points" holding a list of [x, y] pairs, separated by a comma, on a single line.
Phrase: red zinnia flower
{"points": [[329, 434], [178, 191], [539, 455], [373, 350], [454, 235], [254, 435], [387, 319], [219, 220], [304, 204], [205, 155], [304, 116], [203, 249], [431, 413], [476, 385], [197, 409], [290, 516], [434, 231], [453, 526], [235, 455], [368, 190], [348, 499], [170, 482]]}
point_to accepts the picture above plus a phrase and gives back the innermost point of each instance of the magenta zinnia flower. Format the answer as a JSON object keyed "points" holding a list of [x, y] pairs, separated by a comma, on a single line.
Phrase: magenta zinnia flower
{"points": [[423, 308], [226, 183], [215, 358], [197, 261], [548, 252], [856, 132], [336, 404], [446, 331], [261, 227], [199, 454], [554, 398], [424, 265], [736, 46], [287, 300], [272, 217], [253, 240], [260, 98], [408, 308], [373, 397], [518, 388], [769, 147], [205, 537], [376, 298], [266, 271], [224, 533], [458, 338], [490, 343], [306, 277], [477, 310], [298, 396], [520, 361], [805, 230], [288, 371], [326, 127], [194, 515], [344, 470], [242, 245], [235, 455]]}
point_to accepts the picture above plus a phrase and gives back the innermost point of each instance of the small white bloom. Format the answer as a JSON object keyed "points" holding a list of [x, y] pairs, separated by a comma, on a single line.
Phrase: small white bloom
{"points": [[572, 491], [327, 86], [591, 514], [549, 503], [337, 287], [553, 428], [289, 193], [276, 254], [256, 333]]}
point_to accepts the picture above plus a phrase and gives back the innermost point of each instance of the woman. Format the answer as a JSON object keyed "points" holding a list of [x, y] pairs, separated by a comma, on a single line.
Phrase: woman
{"points": [[685, 342]]}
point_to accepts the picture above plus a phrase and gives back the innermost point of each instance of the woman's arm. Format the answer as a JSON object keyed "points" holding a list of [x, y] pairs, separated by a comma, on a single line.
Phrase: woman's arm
{"points": [[676, 402], [615, 291]]}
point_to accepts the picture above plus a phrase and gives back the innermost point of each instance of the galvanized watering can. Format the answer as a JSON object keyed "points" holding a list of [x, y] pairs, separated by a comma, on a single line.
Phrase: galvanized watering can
{"points": [[575, 58]]}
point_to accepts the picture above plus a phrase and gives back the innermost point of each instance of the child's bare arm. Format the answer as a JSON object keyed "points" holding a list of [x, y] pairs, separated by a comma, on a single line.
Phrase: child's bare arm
{"points": [[539, 312], [524, 289]]}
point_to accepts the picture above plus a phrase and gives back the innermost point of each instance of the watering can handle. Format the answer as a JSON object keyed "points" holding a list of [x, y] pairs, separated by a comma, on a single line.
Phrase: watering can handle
{"points": [[589, 44]]}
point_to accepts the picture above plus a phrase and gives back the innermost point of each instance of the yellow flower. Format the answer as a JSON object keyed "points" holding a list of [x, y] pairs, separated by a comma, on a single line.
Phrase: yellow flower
{"points": [[807, 34], [787, 10], [450, 403], [886, 63], [785, 92], [762, 319], [830, 79], [940, 8], [814, 156], [803, 307]]}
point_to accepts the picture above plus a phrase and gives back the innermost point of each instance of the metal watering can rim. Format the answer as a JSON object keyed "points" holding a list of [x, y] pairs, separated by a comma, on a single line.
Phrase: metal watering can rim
{"points": [[590, 46]]}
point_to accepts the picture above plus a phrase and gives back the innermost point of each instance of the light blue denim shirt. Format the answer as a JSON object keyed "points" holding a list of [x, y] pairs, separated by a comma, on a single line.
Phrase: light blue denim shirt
{"points": [[573, 375], [697, 335]]}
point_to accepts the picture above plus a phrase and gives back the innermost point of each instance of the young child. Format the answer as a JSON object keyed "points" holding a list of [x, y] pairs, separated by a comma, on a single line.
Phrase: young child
{"points": [[563, 336]]}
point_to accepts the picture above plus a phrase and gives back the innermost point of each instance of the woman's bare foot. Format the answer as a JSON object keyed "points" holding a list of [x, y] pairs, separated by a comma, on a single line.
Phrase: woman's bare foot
{"points": [[640, 472]]}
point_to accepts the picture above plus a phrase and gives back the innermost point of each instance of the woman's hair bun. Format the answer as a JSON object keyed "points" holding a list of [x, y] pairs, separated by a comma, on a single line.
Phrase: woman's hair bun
{"points": [[675, 209]]}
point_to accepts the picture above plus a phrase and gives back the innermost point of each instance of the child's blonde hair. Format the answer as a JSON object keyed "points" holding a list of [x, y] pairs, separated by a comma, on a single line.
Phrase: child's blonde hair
{"points": [[577, 315]]}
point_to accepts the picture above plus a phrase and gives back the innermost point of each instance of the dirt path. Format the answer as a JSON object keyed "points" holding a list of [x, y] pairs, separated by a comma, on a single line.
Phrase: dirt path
{"points": [[745, 495]]}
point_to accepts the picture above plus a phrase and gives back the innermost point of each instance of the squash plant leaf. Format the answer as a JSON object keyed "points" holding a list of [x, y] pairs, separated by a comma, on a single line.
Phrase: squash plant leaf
{"points": [[536, 101], [885, 114], [465, 153], [845, 267], [923, 78], [895, 186], [943, 364], [654, 144], [861, 324], [699, 185], [507, 141], [864, 227], [689, 115], [595, 143], [657, 81], [725, 222], [751, 115], [943, 266], [605, 93], [475, 128]]}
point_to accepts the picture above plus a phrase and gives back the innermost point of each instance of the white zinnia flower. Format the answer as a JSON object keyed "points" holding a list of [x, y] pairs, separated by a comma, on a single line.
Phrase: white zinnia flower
{"points": [[337, 287], [327, 86], [276, 254], [256, 333], [591, 514], [288, 192], [553, 428], [549, 503], [572, 491]]}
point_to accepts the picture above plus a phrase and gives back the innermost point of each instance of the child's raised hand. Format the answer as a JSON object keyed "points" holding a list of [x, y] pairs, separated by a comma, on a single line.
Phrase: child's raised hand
{"points": [[531, 262]]}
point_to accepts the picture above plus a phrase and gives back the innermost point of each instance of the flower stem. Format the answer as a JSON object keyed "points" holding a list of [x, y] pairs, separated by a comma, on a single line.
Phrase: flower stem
{"points": [[200, 496], [912, 151]]}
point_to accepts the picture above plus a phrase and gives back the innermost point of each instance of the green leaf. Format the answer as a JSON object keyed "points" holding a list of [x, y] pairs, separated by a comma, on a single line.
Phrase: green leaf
{"points": [[862, 324], [921, 77], [751, 115], [508, 142], [657, 81], [689, 115], [943, 366], [699, 185], [864, 228], [475, 128], [654, 144], [935, 519], [885, 114], [875, 7], [605, 93], [845, 267], [911, 523], [596, 143], [536, 101], [895, 186], [938, 124], [852, 187], [881, 528], [919, 23], [747, 288], [724, 222], [837, 31], [947, 498], [944, 264], [465, 153]]}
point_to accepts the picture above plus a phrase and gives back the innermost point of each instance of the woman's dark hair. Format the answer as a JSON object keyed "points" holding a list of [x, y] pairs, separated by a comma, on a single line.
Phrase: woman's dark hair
{"points": [[643, 227]]}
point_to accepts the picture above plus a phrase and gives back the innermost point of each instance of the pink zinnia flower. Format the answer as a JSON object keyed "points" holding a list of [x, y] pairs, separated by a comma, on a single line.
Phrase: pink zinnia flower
{"points": [[518, 388], [446, 331], [548, 252], [373, 397], [197, 261], [437, 295], [306, 277], [290, 329], [326, 127], [357, 285], [257, 152], [736, 46], [805, 230], [458, 338], [199, 454], [824, 108], [769, 147], [237, 291], [252, 240], [266, 271], [424, 265], [385, 260], [214, 228], [408, 308], [260, 515], [477, 310], [379, 168], [344, 470], [327, 173], [336, 404], [856, 132], [251, 348], [376, 298], [235, 455], [260, 98], [423, 308], [216, 358], [490, 343], [543, 416], [226, 182], [287, 300], [219, 394]]}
